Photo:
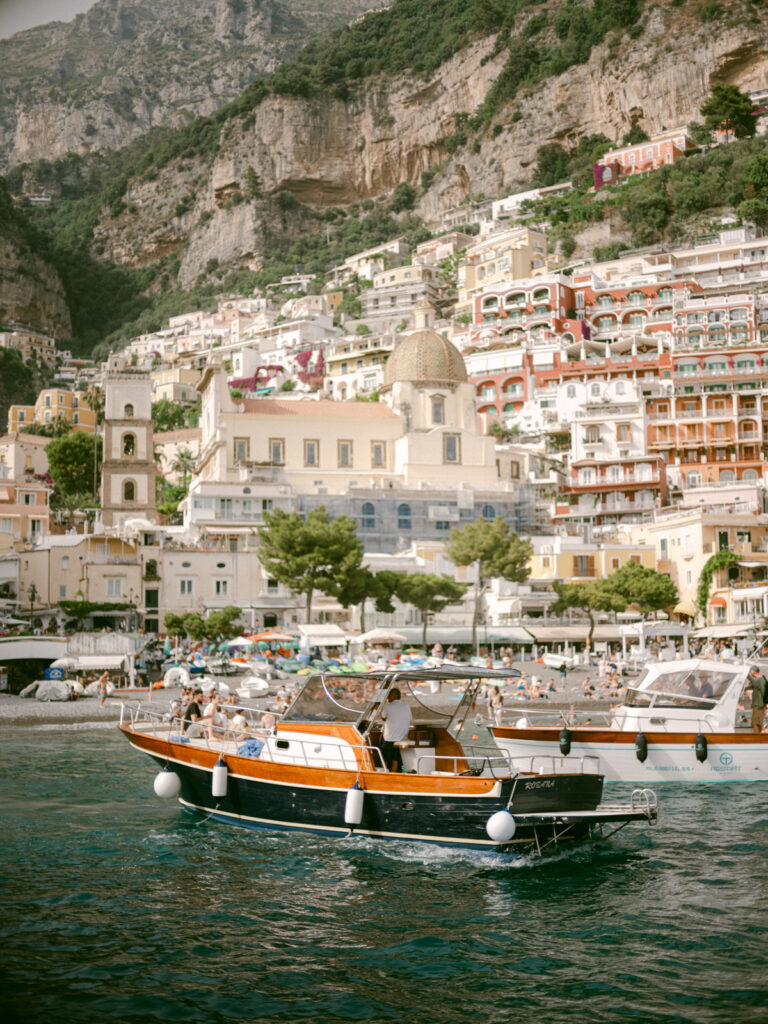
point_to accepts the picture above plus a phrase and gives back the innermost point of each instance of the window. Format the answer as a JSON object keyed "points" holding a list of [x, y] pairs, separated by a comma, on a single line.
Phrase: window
{"points": [[592, 435], [186, 587], [377, 454], [595, 390], [221, 587], [438, 409], [152, 600], [272, 586], [489, 513], [571, 391], [129, 444], [6, 525], [48, 401], [114, 586], [62, 591], [277, 450], [65, 562], [442, 524], [403, 517], [128, 411], [585, 565], [345, 454], [615, 562], [514, 470], [75, 417], [620, 387], [451, 448], [311, 453], [150, 567], [28, 499], [242, 449], [129, 491], [623, 432], [47, 417], [369, 516]]}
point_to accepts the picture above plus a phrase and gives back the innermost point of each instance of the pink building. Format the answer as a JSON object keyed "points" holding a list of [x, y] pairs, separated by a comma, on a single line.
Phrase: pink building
{"points": [[661, 149]]}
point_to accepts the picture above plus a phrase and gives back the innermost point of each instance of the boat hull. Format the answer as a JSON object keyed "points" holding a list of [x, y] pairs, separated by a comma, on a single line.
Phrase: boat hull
{"points": [[731, 757], [266, 795]]}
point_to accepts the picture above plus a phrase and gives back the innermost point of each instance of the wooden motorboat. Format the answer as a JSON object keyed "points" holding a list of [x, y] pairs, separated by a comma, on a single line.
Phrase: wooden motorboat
{"points": [[320, 769], [681, 722]]}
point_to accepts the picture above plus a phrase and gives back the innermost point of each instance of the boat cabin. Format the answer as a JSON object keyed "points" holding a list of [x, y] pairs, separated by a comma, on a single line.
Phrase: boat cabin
{"points": [[694, 694], [338, 717]]}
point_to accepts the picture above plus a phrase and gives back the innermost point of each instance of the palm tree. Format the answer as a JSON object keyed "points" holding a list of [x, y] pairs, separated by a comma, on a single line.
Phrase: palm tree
{"points": [[184, 463]]}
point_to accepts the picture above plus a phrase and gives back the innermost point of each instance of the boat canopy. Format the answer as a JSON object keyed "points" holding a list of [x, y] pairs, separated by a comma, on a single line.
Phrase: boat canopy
{"points": [[691, 684]]}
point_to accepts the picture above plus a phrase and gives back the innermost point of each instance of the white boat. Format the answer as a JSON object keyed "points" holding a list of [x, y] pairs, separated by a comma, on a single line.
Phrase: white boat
{"points": [[680, 723], [251, 687]]}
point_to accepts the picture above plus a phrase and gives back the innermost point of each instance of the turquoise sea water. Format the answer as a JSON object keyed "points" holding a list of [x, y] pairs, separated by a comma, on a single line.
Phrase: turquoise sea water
{"points": [[117, 908]]}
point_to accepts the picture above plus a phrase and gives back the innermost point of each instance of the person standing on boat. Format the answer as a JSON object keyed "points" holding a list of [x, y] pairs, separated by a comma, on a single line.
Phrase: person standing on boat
{"points": [[758, 685], [396, 716]]}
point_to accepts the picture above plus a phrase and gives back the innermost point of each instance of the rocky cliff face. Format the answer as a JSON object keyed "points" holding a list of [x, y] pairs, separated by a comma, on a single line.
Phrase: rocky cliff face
{"points": [[126, 66], [326, 151], [31, 293]]}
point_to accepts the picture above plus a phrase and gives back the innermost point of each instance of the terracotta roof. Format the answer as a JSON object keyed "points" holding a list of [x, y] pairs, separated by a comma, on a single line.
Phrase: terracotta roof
{"points": [[190, 434], [316, 408], [17, 435]]}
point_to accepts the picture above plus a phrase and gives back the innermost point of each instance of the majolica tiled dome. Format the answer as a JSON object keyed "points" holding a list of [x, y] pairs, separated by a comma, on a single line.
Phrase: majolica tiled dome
{"points": [[425, 357]]}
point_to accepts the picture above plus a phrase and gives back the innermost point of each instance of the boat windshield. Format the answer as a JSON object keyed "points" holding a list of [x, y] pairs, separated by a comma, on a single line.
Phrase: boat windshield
{"points": [[331, 698], [698, 687]]}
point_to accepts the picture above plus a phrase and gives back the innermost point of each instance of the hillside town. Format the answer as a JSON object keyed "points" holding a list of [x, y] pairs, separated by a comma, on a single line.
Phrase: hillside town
{"points": [[608, 412]]}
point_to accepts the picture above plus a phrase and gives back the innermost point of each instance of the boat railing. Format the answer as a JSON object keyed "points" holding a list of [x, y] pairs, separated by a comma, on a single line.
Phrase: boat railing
{"points": [[502, 765], [525, 717], [311, 753]]}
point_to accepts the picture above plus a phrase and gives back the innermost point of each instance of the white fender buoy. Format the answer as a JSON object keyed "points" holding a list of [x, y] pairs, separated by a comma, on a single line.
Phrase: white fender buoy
{"points": [[219, 779], [167, 784], [501, 826], [353, 806], [176, 676]]}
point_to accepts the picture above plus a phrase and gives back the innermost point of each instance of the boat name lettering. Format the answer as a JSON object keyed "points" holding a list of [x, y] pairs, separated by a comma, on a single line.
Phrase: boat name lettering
{"points": [[540, 784]]}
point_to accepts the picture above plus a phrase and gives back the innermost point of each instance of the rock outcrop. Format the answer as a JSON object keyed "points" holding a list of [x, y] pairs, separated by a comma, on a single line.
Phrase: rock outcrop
{"points": [[122, 68], [31, 292], [326, 151]]}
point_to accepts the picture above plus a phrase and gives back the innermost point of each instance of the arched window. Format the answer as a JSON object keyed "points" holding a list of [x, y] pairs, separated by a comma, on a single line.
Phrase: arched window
{"points": [[369, 516], [129, 491], [128, 412], [750, 476], [404, 517], [489, 513], [129, 444], [727, 476], [150, 568], [438, 409], [693, 479]]}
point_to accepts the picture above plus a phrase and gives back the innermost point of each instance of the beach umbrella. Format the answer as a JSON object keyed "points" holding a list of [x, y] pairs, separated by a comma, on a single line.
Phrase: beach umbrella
{"points": [[239, 641], [381, 636], [276, 637]]}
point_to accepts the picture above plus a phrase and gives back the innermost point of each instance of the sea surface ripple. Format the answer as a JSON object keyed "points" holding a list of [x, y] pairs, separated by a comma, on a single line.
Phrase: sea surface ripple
{"points": [[118, 908]]}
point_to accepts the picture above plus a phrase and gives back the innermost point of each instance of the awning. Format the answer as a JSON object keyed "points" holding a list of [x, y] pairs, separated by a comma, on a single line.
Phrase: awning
{"points": [[749, 593], [324, 635], [573, 634], [685, 608], [718, 602], [447, 635], [724, 632], [89, 662]]}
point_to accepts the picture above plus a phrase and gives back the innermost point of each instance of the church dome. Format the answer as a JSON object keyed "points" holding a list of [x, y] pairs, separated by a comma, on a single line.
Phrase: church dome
{"points": [[425, 357]]}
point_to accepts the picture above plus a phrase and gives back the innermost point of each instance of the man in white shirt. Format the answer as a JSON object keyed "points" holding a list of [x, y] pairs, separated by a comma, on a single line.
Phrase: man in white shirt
{"points": [[396, 716]]}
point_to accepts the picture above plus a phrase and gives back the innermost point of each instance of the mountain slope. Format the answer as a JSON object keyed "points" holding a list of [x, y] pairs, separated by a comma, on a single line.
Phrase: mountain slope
{"points": [[126, 66]]}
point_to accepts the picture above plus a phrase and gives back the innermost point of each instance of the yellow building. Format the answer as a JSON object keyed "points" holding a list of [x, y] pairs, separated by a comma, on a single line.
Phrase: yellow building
{"points": [[29, 345], [53, 405], [508, 255], [573, 560], [176, 384], [685, 540]]}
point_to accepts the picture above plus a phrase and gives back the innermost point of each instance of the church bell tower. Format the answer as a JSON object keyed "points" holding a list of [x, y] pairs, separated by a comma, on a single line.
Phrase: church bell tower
{"points": [[128, 469]]}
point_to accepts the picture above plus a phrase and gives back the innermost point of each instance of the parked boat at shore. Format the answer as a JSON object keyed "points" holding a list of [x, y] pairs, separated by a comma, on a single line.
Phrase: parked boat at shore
{"points": [[320, 769], [680, 723]]}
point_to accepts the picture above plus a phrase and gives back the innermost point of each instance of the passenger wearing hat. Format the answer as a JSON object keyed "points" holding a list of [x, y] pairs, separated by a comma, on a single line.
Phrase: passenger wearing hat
{"points": [[758, 685]]}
